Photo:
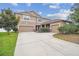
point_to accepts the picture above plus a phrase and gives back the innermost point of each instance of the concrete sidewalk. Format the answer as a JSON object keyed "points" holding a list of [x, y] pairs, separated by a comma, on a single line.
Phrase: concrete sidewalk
{"points": [[44, 44]]}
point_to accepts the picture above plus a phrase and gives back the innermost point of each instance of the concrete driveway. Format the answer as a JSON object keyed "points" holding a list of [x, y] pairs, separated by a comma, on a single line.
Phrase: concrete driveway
{"points": [[44, 44]]}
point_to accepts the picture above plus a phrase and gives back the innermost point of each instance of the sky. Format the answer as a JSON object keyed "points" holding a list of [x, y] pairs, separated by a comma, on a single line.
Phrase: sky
{"points": [[48, 10]]}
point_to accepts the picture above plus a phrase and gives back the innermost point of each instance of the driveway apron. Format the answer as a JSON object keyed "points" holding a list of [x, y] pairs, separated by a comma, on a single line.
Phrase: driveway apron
{"points": [[43, 44]]}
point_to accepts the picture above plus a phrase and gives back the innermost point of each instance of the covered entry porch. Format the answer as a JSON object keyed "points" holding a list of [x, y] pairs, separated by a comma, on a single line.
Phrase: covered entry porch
{"points": [[51, 27], [38, 27]]}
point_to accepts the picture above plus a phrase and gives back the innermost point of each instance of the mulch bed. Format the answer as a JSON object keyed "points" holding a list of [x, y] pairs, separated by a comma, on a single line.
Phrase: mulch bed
{"points": [[68, 37]]}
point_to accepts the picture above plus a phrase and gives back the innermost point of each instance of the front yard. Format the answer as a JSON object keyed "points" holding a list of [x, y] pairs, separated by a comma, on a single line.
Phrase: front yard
{"points": [[7, 43], [68, 37]]}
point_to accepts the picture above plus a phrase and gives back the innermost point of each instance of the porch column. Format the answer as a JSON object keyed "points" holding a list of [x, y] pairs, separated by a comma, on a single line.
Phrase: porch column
{"points": [[40, 26], [37, 27], [45, 26], [51, 27]]}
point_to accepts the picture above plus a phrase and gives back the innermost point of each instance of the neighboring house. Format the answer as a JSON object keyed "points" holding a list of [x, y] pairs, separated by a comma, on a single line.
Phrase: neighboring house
{"points": [[31, 21]]}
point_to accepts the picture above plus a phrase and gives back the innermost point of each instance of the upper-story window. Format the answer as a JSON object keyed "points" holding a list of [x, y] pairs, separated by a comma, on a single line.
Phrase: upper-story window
{"points": [[26, 17], [38, 19]]}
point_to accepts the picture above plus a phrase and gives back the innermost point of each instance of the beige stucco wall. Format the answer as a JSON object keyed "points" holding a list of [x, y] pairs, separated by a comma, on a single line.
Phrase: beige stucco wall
{"points": [[54, 26], [26, 25], [60, 23]]}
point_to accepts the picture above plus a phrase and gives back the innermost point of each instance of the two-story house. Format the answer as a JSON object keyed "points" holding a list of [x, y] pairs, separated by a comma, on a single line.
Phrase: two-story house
{"points": [[31, 21]]}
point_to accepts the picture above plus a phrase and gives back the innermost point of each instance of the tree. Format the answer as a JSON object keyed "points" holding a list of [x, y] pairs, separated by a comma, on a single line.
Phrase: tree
{"points": [[68, 29], [75, 15], [8, 20]]}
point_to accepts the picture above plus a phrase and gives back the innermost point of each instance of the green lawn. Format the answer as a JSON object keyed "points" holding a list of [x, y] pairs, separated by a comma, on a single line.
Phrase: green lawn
{"points": [[7, 43]]}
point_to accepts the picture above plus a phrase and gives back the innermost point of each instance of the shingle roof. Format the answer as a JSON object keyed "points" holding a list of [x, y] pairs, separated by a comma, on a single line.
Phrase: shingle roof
{"points": [[29, 12], [55, 20]]}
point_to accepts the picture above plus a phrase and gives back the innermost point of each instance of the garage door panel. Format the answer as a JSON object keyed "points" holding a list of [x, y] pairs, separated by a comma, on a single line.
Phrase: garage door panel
{"points": [[55, 28], [26, 28]]}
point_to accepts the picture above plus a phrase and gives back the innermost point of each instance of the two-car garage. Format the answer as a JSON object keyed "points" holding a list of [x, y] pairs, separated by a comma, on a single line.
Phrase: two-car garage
{"points": [[26, 28]]}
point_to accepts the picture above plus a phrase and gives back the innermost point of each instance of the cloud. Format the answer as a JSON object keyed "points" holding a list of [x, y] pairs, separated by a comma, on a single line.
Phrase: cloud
{"points": [[58, 16], [20, 10], [14, 4], [40, 12], [17, 10], [54, 6], [45, 4], [28, 4], [72, 3], [63, 14]]}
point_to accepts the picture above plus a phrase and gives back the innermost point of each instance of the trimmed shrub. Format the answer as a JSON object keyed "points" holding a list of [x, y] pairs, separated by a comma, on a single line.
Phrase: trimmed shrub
{"points": [[44, 30], [68, 29], [15, 29]]}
